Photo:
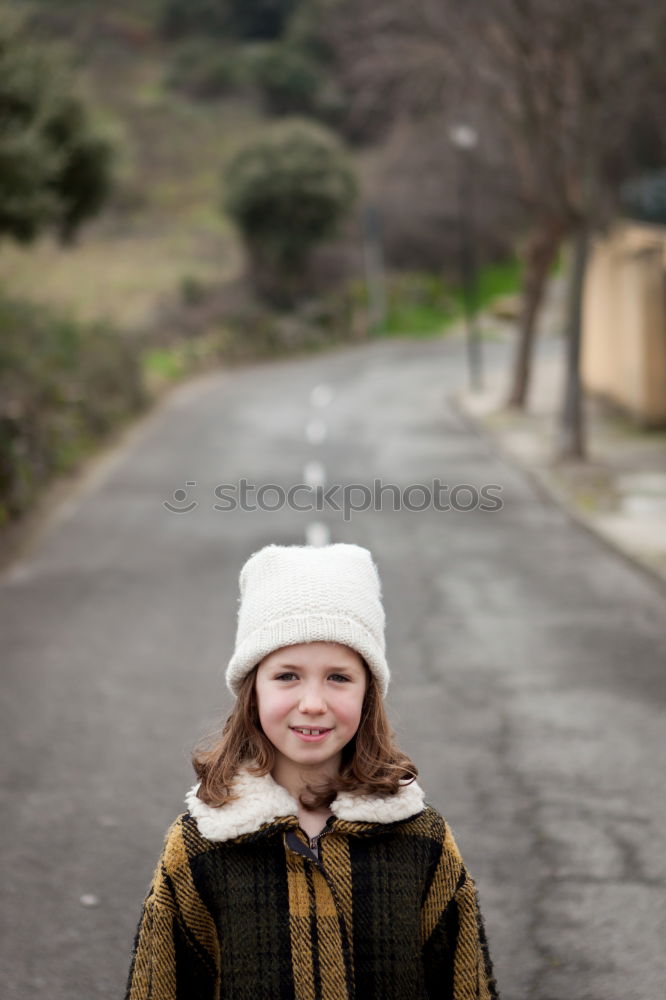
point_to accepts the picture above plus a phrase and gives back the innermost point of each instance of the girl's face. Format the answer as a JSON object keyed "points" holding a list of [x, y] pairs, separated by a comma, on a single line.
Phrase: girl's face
{"points": [[310, 699]]}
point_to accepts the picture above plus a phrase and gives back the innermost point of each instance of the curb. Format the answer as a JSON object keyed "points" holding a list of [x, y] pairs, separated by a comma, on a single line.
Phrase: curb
{"points": [[545, 489]]}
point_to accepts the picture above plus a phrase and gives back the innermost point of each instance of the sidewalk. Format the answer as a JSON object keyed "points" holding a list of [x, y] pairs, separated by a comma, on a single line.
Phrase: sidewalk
{"points": [[620, 492]]}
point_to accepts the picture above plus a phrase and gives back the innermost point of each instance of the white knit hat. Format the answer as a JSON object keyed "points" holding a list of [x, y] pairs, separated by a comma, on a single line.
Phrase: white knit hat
{"points": [[308, 593]]}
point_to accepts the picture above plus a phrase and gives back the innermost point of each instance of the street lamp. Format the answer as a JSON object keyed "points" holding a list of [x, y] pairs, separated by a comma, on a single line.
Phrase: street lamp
{"points": [[465, 139]]}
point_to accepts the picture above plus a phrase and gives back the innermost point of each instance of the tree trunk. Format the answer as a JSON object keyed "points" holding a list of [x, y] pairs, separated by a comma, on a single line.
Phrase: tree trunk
{"points": [[540, 252], [572, 424]]}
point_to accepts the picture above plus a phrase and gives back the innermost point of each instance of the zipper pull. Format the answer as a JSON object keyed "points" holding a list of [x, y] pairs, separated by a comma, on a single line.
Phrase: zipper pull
{"points": [[325, 829]]}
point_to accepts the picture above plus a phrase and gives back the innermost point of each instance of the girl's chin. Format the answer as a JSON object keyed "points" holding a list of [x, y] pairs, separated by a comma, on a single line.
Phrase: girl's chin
{"points": [[305, 756]]}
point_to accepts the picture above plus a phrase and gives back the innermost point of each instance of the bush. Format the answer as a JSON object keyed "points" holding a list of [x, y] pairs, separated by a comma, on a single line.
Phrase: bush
{"points": [[287, 193], [230, 18], [308, 30], [193, 17], [63, 385], [55, 170], [290, 81], [259, 18]]}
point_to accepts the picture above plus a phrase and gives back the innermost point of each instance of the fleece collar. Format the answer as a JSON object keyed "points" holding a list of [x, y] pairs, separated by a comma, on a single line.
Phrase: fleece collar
{"points": [[261, 800]]}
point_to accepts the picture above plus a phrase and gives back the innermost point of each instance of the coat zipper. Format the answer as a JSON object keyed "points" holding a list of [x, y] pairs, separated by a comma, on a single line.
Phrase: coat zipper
{"points": [[315, 840], [346, 945]]}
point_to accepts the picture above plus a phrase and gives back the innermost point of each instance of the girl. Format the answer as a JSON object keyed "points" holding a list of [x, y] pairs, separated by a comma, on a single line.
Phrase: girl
{"points": [[308, 865]]}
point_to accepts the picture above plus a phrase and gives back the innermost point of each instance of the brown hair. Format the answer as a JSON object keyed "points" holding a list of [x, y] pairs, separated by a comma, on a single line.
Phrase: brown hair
{"points": [[372, 763]]}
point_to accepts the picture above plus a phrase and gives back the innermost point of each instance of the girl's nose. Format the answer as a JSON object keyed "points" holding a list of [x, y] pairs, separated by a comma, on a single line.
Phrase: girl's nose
{"points": [[312, 703]]}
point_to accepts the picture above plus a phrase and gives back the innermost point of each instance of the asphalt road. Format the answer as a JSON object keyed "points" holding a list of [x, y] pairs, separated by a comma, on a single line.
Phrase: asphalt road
{"points": [[528, 672]]}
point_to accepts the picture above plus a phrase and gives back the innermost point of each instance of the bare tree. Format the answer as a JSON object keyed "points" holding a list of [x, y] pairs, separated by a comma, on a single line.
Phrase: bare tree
{"points": [[572, 90], [576, 82]]}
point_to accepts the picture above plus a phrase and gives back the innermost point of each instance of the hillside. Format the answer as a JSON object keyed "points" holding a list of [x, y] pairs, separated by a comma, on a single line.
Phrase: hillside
{"points": [[162, 229]]}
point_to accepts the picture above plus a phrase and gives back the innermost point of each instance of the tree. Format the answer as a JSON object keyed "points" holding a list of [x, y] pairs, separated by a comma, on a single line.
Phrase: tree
{"points": [[578, 84], [245, 19], [55, 171], [289, 79], [569, 89], [288, 192]]}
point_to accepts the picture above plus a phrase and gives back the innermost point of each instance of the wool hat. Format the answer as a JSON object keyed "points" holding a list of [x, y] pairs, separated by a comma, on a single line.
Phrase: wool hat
{"points": [[309, 593]]}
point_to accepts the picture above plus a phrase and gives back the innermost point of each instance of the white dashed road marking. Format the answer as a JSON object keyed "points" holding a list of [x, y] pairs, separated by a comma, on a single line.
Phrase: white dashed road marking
{"points": [[321, 395], [317, 533], [314, 474]]}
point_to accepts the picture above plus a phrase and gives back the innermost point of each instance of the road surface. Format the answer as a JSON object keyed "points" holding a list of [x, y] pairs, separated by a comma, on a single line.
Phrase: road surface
{"points": [[528, 670]]}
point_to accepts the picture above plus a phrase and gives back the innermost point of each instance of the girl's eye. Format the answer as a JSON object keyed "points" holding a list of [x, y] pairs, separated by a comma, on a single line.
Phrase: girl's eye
{"points": [[288, 675]]}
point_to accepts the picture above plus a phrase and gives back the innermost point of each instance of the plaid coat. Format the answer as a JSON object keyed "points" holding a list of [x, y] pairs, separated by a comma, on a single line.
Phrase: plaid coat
{"points": [[240, 908]]}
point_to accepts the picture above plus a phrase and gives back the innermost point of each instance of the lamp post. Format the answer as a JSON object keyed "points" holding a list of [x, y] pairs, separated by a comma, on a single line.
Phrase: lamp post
{"points": [[373, 258], [465, 139]]}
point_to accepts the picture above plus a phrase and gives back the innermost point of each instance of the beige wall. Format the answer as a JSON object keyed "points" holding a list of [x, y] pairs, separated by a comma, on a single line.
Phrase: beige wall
{"points": [[624, 321]]}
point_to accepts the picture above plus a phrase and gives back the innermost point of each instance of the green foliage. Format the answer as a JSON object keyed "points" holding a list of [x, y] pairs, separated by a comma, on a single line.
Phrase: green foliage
{"points": [[502, 278], [423, 304], [244, 19], [63, 385], [194, 17], [54, 168], [290, 80], [259, 18], [167, 363], [84, 179], [288, 192], [306, 30], [306, 33], [418, 303]]}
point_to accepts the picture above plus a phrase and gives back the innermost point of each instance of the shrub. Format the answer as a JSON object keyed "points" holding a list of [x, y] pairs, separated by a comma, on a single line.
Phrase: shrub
{"points": [[308, 29], [230, 18], [287, 193], [55, 170], [62, 385], [289, 79]]}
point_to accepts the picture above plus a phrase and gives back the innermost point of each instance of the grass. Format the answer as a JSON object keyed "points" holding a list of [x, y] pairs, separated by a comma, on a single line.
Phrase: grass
{"points": [[167, 364], [120, 278], [498, 279], [424, 305], [163, 221]]}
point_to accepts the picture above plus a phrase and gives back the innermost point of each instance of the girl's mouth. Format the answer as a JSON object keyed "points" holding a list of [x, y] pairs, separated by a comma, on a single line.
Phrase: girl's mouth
{"points": [[310, 734]]}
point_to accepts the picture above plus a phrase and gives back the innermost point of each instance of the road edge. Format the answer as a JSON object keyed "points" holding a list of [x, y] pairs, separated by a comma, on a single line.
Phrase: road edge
{"points": [[545, 488]]}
